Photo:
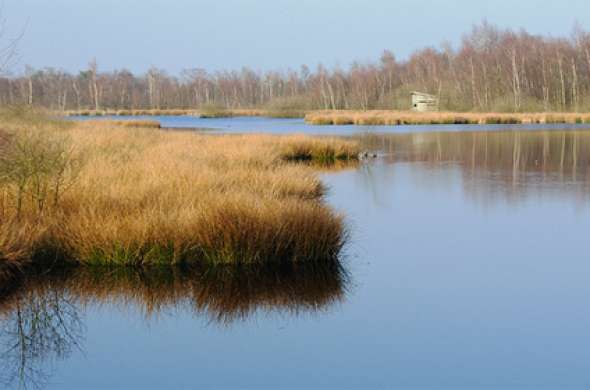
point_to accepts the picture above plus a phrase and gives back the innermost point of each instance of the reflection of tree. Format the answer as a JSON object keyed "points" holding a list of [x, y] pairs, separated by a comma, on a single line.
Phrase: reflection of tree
{"points": [[37, 327], [41, 321], [505, 163], [224, 294]]}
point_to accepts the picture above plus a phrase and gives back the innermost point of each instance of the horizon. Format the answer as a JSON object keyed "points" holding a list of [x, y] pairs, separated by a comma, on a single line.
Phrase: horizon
{"points": [[236, 37]]}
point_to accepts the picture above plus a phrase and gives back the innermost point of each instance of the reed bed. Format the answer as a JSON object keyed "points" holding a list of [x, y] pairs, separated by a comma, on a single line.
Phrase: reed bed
{"points": [[105, 193], [220, 112], [132, 123], [216, 112], [319, 150], [134, 112], [205, 112], [394, 118]]}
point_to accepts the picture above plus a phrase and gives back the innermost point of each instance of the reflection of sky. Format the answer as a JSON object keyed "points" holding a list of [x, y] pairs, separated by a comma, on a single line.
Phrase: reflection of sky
{"points": [[466, 295], [482, 188]]}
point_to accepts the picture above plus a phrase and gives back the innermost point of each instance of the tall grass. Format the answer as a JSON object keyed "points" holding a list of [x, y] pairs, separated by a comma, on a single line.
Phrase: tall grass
{"points": [[141, 196], [278, 110], [394, 118], [133, 123], [322, 150], [131, 112], [212, 111]]}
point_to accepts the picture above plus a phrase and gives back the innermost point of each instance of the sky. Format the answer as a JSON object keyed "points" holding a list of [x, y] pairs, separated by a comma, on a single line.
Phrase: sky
{"points": [[261, 34]]}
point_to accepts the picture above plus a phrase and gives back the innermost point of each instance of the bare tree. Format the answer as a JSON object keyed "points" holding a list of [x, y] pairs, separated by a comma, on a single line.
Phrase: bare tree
{"points": [[492, 69]]}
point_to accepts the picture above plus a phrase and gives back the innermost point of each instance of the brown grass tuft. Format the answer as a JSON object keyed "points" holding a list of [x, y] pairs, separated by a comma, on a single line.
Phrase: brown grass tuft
{"points": [[141, 196], [393, 118]]}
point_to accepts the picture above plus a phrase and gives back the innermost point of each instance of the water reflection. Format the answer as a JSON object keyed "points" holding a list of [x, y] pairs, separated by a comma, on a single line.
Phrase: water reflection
{"points": [[41, 314], [506, 164], [38, 327]]}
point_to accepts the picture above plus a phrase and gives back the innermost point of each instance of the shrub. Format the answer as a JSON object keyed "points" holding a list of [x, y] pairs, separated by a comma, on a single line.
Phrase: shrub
{"points": [[36, 167]]}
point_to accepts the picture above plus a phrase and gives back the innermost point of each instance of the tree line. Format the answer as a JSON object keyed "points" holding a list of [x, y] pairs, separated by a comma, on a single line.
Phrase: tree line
{"points": [[492, 69]]}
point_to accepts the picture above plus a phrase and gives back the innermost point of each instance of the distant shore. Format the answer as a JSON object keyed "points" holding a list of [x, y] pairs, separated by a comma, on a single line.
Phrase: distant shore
{"points": [[394, 118], [359, 118], [201, 113]]}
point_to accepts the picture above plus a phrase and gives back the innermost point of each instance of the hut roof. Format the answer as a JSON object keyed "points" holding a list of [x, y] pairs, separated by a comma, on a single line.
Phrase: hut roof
{"points": [[423, 94]]}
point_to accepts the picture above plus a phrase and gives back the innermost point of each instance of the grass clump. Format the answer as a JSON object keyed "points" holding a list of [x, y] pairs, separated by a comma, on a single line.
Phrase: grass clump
{"points": [[102, 192], [288, 107], [152, 124], [214, 111], [322, 150], [393, 118], [130, 112]]}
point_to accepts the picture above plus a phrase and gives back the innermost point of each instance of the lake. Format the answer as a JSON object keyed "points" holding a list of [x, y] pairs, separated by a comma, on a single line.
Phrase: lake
{"points": [[286, 126], [467, 267]]}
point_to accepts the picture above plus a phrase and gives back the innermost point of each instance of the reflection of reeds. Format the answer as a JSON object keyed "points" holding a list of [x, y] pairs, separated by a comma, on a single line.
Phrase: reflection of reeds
{"points": [[37, 326], [41, 312], [394, 118], [222, 293], [508, 164]]}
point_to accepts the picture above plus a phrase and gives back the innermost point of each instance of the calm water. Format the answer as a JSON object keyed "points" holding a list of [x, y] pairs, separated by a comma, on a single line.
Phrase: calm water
{"points": [[284, 126], [467, 268]]}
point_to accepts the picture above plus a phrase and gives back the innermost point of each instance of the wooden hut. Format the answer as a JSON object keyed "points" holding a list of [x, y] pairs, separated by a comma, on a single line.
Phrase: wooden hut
{"points": [[424, 102]]}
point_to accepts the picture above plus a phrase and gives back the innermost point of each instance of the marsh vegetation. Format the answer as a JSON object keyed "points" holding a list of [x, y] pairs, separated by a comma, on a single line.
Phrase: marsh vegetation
{"points": [[209, 111], [110, 192], [395, 118], [121, 251]]}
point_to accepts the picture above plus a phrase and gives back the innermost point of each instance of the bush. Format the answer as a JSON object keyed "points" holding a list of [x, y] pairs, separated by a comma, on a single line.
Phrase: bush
{"points": [[35, 168]]}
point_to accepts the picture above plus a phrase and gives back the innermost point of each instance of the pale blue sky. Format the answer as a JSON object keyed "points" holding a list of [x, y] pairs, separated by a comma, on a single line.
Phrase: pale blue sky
{"points": [[262, 34]]}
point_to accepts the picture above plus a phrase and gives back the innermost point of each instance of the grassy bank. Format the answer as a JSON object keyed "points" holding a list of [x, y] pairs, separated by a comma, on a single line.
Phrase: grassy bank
{"points": [[206, 112], [101, 192], [129, 123], [393, 118], [108, 112]]}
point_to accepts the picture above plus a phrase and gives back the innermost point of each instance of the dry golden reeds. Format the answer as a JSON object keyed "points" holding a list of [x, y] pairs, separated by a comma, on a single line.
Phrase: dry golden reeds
{"points": [[394, 118], [204, 112], [130, 112], [131, 123], [140, 196]]}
